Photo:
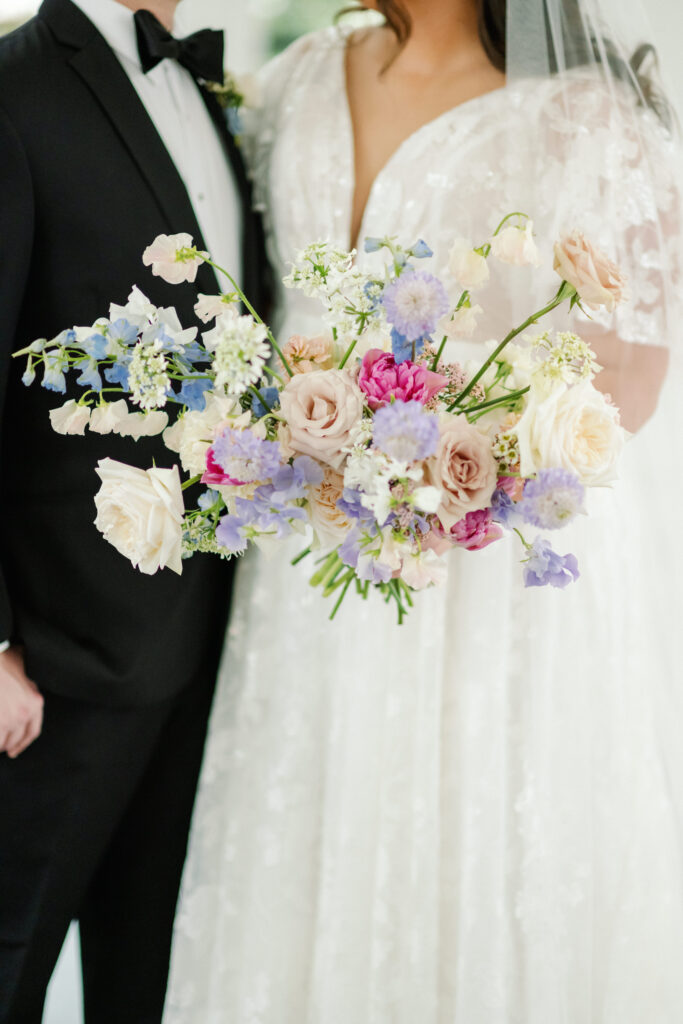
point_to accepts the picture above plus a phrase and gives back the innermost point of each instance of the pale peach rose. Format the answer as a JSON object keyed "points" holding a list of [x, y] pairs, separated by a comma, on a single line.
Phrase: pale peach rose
{"points": [[463, 469], [598, 280], [330, 524], [321, 410], [307, 354]]}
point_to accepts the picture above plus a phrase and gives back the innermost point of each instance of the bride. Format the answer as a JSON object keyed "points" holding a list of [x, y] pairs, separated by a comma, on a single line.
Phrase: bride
{"points": [[474, 818]]}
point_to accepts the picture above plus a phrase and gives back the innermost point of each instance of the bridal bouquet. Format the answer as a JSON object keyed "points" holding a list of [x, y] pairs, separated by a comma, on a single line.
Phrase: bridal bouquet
{"points": [[368, 439]]}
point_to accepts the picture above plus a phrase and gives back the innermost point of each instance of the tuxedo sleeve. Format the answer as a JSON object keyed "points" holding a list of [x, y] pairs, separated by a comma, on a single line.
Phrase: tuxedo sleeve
{"points": [[16, 242]]}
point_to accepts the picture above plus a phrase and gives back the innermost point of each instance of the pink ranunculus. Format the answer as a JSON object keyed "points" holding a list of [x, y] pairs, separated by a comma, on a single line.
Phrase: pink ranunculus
{"points": [[215, 475], [382, 379], [512, 485], [436, 540], [476, 531]]}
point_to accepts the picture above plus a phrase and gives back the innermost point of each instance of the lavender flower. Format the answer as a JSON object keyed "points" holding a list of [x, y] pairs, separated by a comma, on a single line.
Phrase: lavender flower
{"points": [[405, 431], [233, 533], [553, 499], [414, 303], [244, 456], [503, 509], [544, 567]]}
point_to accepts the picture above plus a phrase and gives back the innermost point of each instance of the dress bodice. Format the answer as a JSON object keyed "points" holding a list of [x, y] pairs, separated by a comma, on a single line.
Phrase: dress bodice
{"points": [[534, 146]]}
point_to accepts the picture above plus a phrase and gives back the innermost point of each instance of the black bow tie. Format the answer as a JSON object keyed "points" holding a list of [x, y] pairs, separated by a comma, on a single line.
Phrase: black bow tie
{"points": [[201, 53]]}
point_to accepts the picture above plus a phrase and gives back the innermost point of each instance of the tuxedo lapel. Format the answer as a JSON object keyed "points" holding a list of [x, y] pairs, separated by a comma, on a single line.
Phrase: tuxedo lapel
{"points": [[95, 62]]}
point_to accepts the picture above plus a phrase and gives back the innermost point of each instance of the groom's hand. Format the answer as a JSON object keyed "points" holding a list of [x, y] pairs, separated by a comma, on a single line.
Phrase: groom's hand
{"points": [[21, 705]]}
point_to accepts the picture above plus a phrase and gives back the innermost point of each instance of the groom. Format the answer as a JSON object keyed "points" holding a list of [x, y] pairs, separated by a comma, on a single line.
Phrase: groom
{"points": [[107, 139]]}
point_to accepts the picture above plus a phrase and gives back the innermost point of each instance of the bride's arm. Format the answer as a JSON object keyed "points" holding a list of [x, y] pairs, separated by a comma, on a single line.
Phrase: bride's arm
{"points": [[633, 376]]}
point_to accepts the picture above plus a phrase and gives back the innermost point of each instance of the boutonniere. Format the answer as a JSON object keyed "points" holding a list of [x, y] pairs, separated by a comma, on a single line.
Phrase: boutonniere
{"points": [[235, 94]]}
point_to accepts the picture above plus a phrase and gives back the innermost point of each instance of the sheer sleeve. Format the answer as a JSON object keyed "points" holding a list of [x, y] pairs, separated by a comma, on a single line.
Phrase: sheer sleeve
{"points": [[622, 185]]}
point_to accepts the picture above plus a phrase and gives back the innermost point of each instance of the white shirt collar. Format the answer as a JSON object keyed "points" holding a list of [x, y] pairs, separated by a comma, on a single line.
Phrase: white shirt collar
{"points": [[116, 23]]}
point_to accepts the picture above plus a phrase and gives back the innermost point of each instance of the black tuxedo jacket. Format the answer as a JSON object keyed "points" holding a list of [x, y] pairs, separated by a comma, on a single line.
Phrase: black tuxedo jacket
{"points": [[85, 185]]}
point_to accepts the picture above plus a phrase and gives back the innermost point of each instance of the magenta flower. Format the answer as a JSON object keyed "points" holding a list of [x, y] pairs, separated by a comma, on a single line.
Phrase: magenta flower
{"points": [[381, 378], [476, 531]]}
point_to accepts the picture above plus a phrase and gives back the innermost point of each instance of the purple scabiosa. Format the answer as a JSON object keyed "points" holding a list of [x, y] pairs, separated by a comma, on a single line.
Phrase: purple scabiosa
{"points": [[405, 431], [414, 303], [245, 457], [552, 499], [544, 567]]}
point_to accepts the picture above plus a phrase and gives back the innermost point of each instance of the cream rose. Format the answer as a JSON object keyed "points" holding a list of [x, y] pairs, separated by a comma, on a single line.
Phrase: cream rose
{"points": [[140, 512], [463, 469], [321, 410], [329, 522], [598, 281], [574, 428]]}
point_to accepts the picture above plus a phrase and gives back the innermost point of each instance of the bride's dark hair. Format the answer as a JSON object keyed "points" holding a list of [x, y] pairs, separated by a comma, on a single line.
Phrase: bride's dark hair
{"points": [[492, 17]]}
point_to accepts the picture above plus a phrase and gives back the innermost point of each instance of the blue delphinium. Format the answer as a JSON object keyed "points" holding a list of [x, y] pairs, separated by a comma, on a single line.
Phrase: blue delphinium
{"points": [[405, 431], [193, 393], [90, 374], [245, 457], [55, 363], [269, 400], [207, 499], [421, 251], [414, 303], [552, 499], [403, 349], [544, 567]]}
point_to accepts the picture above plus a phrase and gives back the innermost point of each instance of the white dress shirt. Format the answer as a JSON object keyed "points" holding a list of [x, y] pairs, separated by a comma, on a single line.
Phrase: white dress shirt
{"points": [[172, 100]]}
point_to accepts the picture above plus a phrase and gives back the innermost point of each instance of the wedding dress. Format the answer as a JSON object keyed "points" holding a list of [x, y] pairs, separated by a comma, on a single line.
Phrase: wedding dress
{"points": [[474, 818]]}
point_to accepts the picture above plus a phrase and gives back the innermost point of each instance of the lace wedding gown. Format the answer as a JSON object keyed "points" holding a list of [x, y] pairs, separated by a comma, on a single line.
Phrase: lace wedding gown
{"points": [[474, 818]]}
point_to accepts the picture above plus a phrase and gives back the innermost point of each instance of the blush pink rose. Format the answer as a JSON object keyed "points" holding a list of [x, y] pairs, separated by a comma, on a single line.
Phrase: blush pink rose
{"points": [[598, 280], [382, 379], [321, 410], [463, 470], [476, 530]]}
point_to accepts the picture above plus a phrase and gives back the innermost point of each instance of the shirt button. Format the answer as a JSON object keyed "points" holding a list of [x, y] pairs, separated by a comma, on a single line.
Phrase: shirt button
{"points": [[201, 197]]}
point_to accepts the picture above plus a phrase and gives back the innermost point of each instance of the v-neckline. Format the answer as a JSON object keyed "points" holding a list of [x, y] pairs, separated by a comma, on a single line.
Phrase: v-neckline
{"points": [[343, 35]]}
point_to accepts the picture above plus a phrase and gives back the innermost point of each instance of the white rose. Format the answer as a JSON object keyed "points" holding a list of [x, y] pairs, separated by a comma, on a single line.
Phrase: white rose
{"points": [[574, 428], [106, 418], [141, 424], [70, 418], [140, 512], [468, 267], [516, 246]]}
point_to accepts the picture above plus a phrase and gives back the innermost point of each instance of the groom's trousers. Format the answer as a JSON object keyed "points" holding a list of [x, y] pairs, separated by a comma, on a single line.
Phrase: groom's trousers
{"points": [[94, 819]]}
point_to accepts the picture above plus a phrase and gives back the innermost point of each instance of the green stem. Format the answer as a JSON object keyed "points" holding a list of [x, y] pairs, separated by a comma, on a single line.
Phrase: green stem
{"points": [[300, 557], [257, 318], [326, 571], [341, 596], [566, 291], [191, 482], [347, 354], [493, 402]]}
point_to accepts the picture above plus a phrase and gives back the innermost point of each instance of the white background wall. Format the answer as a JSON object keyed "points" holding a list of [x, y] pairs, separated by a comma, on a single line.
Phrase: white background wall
{"points": [[245, 22]]}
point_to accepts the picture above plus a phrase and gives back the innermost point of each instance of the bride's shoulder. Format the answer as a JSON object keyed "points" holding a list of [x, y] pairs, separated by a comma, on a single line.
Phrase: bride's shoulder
{"points": [[302, 57]]}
